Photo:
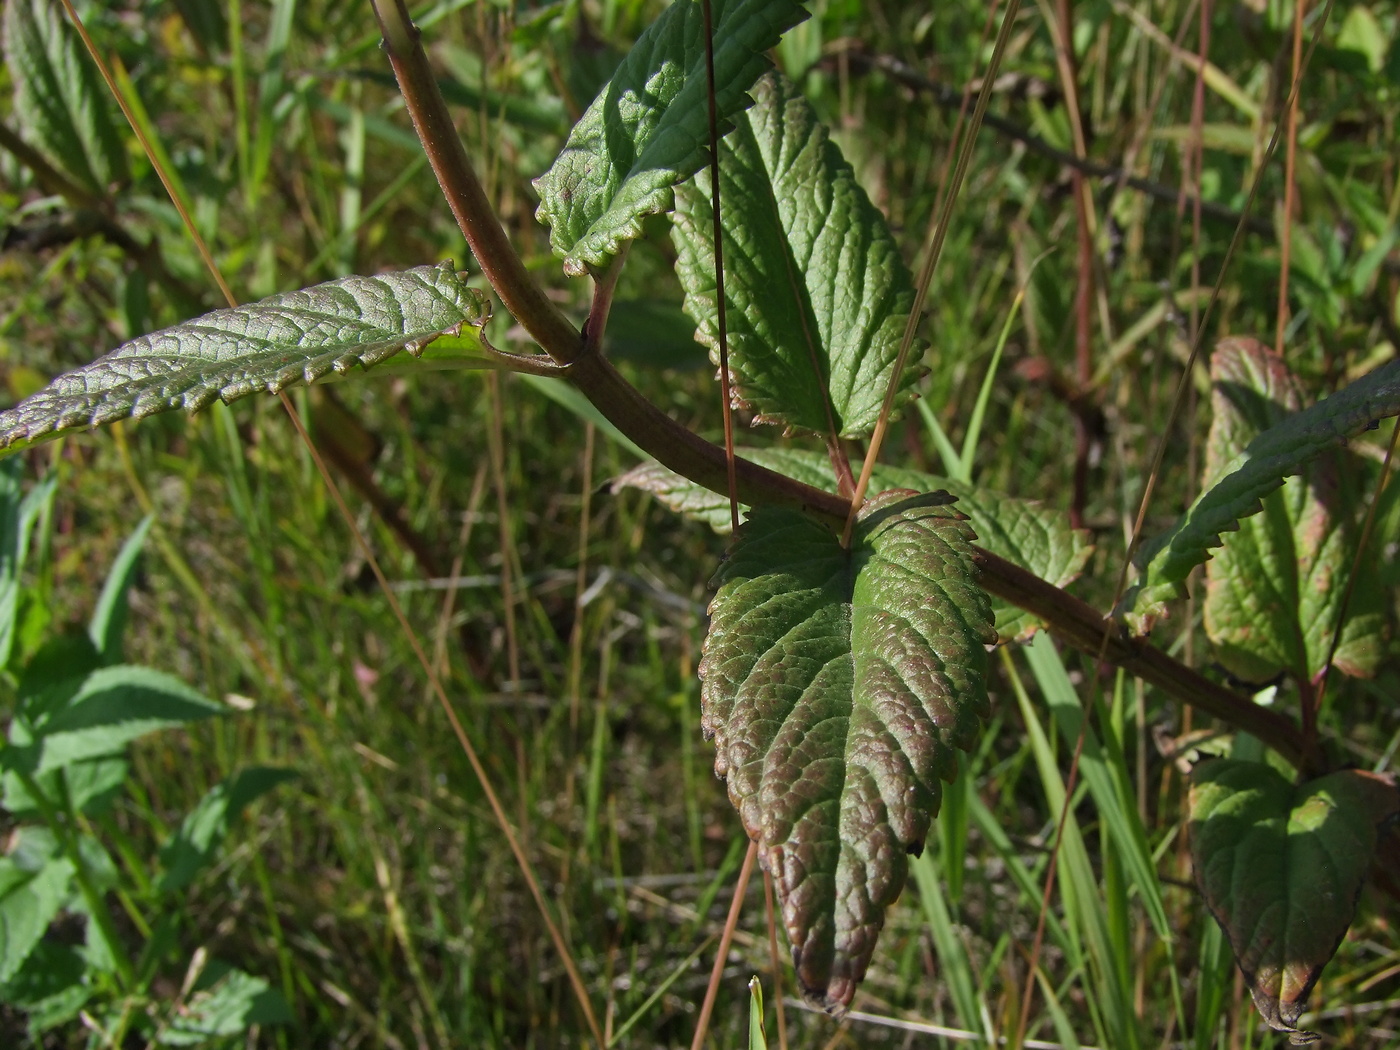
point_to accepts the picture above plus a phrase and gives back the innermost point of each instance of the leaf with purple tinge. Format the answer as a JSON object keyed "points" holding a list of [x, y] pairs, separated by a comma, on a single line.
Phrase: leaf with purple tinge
{"points": [[1280, 867], [837, 685]]}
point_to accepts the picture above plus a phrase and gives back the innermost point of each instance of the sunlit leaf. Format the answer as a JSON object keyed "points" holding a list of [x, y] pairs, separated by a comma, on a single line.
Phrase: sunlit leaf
{"points": [[648, 129], [817, 294], [837, 684], [1281, 867], [1275, 587], [295, 337]]}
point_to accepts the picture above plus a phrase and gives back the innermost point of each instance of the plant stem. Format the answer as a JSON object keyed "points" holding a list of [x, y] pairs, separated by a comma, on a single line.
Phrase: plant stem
{"points": [[1070, 619]]}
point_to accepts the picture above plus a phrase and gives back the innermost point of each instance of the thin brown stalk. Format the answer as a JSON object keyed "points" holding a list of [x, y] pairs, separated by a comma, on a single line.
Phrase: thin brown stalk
{"points": [[931, 258], [736, 905], [775, 958]]}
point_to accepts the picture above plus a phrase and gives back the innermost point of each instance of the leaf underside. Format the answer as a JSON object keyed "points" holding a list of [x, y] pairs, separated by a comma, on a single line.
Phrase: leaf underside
{"points": [[648, 129], [60, 100], [1022, 531], [1274, 589], [292, 338], [1281, 867], [816, 293], [837, 684], [1279, 452]]}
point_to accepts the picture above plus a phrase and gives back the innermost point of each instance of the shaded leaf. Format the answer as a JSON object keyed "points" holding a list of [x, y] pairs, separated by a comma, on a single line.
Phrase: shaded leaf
{"points": [[817, 295], [837, 684], [18, 513], [648, 129], [208, 824], [29, 900], [1279, 452], [1280, 868], [60, 99], [1274, 589], [226, 1002], [295, 337], [1022, 531]]}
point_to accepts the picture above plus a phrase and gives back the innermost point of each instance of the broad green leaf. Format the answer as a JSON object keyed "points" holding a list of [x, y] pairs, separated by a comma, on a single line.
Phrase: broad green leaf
{"points": [[1021, 531], [648, 130], [111, 707], [1274, 589], [817, 295], [29, 900], [295, 337], [227, 1002], [49, 987], [90, 786], [837, 684], [109, 618], [1280, 868], [60, 100], [1279, 452], [208, 824]]}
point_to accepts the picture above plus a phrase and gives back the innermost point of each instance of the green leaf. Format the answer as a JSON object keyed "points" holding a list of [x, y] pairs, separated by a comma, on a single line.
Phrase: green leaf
{"points": [[648, 130], [112, 707], [29, 900], [227, 1002], [18, 513], [90, 785], [816, 293], [208, 824], [1279, 452], [1280, 867], [836, 684], [295, 337], [60, 100], [1275, 588], [109, 618], [1022, 531], [49, 987]]}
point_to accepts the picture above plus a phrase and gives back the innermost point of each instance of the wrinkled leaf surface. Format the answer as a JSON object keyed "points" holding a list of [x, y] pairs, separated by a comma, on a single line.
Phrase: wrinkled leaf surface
{"points": [[836, 685], [648, 129], [817, 294], [295, 337], [1281, 867]]}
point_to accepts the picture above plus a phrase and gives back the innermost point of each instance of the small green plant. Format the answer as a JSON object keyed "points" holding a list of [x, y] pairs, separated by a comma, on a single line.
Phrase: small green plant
{"points": [[73, 709], [846, 663]]}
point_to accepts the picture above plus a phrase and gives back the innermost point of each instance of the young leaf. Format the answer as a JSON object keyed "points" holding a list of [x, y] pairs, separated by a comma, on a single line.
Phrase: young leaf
{"points": [[836, 684], [109, 618], [226, 1002], [17, 516], [1279, 452], [1280, 868], [60, 99], [816, 292], [1021, 531], [1274, 590], [29, 899], [208, 824], [295, 337], [648, 129], [112, 707]]}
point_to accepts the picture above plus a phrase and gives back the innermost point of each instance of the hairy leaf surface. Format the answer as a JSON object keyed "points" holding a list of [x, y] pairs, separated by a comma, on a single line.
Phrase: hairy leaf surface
{"points": [[1274, 590], [648, 129], [60, 99], [295, 337], [1281, 867], [836, 684], [1279, 452], [816, 292], [1022, 531]]}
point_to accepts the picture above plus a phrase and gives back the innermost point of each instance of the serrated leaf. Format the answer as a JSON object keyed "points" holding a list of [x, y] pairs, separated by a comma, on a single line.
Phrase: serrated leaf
{"points": [[1280, 868], [648, 129], [29, 900], [1274, 589], [1022, 531], [227, 1002], [295, 337], [837, 684], [110, 708], [1279, 452], [816, 293], [60, 100], [207, 825]]}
